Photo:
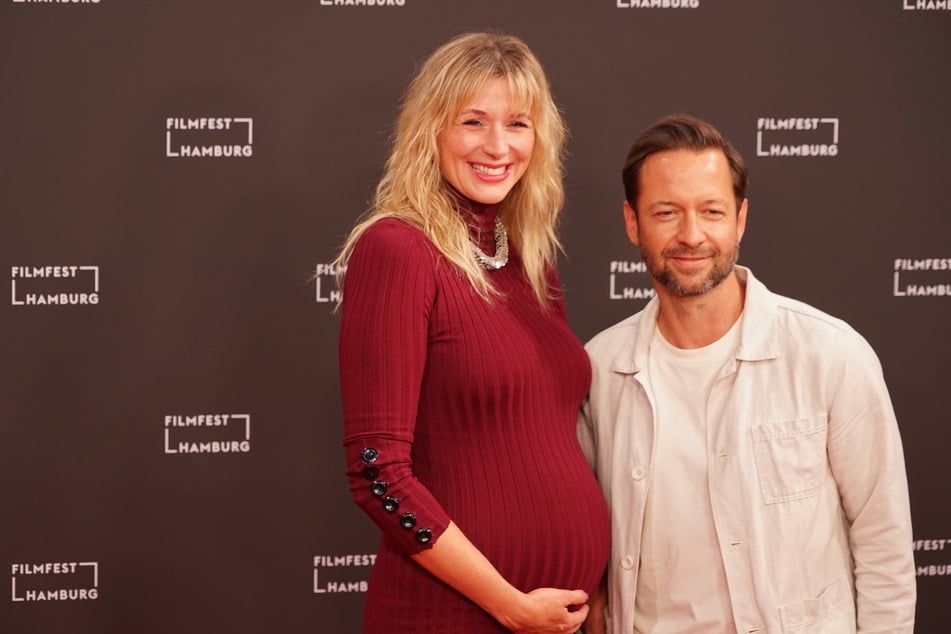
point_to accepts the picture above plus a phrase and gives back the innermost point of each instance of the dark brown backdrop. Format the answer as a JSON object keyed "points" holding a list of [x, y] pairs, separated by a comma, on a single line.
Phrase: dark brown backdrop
{"points": [[148, 288]]}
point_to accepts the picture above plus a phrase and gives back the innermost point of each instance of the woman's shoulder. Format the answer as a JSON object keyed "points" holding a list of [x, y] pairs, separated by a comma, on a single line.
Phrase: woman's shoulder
{"points": [[389, 225], [393, 231], [393, 240]]}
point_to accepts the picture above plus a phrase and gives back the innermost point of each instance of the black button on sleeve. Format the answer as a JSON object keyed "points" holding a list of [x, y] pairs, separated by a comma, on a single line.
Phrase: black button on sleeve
{"points": [[390, 504], [371, 473], [408, 520], [378, 487], [424, 535], [369, 454]]}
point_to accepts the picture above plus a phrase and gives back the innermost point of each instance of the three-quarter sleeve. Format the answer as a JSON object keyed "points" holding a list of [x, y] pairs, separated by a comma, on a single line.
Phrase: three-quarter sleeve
{"points": [[388, 297]]}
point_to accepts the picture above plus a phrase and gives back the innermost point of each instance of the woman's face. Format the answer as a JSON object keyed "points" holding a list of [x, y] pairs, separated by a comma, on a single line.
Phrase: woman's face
{"points": [[485, 149]]}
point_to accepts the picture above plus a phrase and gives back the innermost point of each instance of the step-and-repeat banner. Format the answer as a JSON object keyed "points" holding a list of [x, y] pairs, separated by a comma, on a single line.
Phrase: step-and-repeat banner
{"points": [[177, 176]]}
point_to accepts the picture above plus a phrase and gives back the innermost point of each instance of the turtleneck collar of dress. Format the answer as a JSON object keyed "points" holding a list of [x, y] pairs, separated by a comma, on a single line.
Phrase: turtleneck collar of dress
{"points": [[480, 217]]}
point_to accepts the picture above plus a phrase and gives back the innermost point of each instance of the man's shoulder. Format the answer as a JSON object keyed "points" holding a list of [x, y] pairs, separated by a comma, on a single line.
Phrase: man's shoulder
{"points": [[612, 337], [790, 312], [804, 315], [803, 329]]}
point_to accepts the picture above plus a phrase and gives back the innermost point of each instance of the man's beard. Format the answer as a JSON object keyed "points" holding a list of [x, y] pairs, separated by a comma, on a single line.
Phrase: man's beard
{"points": [[689, 286]]}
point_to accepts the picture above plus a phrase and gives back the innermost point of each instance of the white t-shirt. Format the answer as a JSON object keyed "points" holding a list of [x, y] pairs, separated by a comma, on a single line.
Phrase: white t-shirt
{"points": [[681, 583]]}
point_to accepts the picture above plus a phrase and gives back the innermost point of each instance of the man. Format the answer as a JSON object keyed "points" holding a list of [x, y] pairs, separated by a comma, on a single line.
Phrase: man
{"points": [[745, 441]]}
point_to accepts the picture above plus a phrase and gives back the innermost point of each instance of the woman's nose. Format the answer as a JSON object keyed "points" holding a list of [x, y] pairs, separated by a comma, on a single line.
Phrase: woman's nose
{"points": [[495, 143]]}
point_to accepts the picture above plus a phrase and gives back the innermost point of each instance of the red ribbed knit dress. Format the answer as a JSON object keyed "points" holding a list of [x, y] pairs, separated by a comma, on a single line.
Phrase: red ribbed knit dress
{"points": [[455, 408]]}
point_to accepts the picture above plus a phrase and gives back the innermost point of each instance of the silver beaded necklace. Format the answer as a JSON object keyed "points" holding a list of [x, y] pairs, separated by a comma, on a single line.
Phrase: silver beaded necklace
{"points": [[501, 257]]}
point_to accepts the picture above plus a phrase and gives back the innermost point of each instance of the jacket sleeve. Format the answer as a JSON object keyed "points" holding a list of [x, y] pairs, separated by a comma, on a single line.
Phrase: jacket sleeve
{"points": [[388, 295], [586, 435], [866, 457]]}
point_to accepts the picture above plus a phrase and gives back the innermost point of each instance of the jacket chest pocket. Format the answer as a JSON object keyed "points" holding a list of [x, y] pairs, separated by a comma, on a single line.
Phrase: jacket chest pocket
{"points": [[790, 457]]}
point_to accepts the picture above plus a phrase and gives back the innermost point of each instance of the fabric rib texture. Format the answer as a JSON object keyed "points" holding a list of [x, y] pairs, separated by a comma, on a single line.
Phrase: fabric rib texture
{"points": [[470, 407]]}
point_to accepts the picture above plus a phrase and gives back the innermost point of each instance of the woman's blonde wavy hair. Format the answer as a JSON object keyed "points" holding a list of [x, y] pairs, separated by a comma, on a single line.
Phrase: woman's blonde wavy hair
{"points": [[413, 189]]}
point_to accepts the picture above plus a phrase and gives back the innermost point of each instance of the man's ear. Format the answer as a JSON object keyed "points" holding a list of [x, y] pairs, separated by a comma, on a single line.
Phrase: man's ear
{"points": [[741, 220], [630, 223]]}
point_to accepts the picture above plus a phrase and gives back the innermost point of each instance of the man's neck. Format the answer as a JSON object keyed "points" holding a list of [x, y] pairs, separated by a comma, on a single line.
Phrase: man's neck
{"points": [[697, 321]]}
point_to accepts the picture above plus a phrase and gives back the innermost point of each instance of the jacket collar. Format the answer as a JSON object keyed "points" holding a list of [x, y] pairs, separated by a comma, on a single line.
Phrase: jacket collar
{"points": [[757, 333]]}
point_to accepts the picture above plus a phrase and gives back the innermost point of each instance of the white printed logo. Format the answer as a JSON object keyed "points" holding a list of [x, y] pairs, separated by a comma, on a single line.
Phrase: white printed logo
{"points": [[209, 137], [325, 279], [362, 3], [797, 136], [55, 1], [658, 4], [926, 547], [60, 581], [54, 285], [207, 433], [342, 573], [926, 5], [630, 280], [922, 277]]}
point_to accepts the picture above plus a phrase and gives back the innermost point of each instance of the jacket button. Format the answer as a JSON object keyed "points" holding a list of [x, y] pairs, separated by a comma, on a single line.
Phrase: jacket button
{"points": [[638, 472], [390, 504], [370, 473], [408, 520], [424, 535], [378, 487], [369, 454], [627, 562]]}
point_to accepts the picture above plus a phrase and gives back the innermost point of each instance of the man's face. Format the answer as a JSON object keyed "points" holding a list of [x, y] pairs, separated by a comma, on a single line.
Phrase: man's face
{"points": [[686, 223]]}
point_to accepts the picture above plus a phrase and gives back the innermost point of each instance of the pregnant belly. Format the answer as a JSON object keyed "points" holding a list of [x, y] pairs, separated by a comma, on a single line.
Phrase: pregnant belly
{"points": [[555, 534]]}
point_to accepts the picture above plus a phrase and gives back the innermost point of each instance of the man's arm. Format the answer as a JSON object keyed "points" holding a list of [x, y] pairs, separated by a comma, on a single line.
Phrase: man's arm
{"points": [[867, 461], [598, 603]]}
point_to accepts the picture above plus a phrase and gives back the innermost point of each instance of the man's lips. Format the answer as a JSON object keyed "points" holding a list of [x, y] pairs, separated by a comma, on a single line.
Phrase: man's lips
{"points": [[689, 260]]}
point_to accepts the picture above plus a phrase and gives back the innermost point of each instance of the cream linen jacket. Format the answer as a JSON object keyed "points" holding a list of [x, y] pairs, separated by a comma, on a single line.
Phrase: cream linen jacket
{"points": [[806, 472]]}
